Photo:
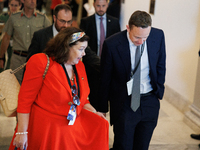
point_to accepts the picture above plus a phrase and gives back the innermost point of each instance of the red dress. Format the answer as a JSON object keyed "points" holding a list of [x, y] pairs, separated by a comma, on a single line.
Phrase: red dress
{"points": [[48, 102]]}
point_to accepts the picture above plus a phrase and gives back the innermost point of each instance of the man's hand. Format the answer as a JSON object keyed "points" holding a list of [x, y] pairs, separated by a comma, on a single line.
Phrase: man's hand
{"points": [[4, 46], [1, 64]]}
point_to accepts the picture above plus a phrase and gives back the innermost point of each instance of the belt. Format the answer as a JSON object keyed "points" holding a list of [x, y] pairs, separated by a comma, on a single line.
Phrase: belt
{"points": [[147, 94], [20, 53]]}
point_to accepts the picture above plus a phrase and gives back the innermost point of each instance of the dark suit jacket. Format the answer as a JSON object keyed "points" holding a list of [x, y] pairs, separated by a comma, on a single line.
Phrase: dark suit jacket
{"points": [[88, 25], [116, 68], [40, 39]]}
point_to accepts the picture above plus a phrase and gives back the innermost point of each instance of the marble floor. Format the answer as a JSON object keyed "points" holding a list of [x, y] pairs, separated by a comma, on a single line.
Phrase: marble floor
{"points": [[171, 132]]}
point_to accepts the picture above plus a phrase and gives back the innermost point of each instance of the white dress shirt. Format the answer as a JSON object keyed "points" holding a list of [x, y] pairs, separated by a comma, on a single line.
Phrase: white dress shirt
{"points": [[55, 32], [145, 85]]}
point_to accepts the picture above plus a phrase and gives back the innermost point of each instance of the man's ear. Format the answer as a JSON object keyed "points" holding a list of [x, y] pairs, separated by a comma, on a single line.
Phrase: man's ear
{"points": [[54, 18], [127, 27]]}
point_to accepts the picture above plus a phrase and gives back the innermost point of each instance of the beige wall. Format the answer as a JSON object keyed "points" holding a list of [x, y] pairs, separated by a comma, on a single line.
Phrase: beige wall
{"points": [[180, 20]]}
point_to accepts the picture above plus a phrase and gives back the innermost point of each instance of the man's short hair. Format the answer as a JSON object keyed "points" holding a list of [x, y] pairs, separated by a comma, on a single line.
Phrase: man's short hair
{"points": [[140, 19], [96, 0], [60, 7]]}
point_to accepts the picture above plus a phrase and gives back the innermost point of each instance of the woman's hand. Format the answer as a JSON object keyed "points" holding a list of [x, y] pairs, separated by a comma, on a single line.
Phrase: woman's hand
{"points": [[89, 107], [21, 138], [101, 115], [21, 141]]}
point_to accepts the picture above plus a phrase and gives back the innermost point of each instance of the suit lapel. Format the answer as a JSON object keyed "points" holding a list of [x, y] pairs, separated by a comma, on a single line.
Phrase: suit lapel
{"points": [[151, 50], [81, 80], [124, 52], [94, 28], [94, 32], [59, 73], [49, 32], [108, 22]]}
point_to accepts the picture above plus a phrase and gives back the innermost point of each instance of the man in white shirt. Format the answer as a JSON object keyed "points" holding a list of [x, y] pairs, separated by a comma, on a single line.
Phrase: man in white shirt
{"points": [[132, 79]]}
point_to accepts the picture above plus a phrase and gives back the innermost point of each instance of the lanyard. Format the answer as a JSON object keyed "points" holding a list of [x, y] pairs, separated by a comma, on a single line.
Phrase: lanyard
{"points": [[133, 71], [75, 72]]}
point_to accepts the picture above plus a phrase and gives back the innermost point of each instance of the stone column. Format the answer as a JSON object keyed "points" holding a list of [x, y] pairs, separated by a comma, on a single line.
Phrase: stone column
{"points": [[192, 117]]}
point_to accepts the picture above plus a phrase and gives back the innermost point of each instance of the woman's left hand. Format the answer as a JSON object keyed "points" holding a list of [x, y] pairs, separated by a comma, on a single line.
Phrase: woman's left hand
{"points": [[100, 114], [89, 107]]}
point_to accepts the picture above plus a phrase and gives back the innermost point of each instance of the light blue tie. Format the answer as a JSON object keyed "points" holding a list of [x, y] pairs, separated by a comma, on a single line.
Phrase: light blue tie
{"points": [[135, 98]]}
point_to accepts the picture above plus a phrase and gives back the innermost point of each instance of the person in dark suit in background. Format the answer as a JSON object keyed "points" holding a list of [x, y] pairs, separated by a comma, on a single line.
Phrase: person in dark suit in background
{"points": [[91, 26], [62, 19], [133, 126]]}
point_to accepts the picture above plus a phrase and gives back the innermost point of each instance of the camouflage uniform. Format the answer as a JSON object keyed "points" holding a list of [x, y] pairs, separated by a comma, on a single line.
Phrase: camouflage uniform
{"points": [[22, 28]]}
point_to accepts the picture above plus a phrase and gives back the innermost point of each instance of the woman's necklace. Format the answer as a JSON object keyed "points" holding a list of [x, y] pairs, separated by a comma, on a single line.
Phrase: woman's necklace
{"points": [[72, 79], [71, 71], [75, 77]]}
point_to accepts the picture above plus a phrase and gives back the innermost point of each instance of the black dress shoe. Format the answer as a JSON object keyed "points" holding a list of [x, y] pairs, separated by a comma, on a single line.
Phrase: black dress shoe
{"points": [[199, 145], [195, 136]]}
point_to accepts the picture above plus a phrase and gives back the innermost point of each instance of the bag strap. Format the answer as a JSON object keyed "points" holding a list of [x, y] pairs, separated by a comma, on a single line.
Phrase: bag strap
{"points": [[17, 69], [47, 67], [23, 65]]}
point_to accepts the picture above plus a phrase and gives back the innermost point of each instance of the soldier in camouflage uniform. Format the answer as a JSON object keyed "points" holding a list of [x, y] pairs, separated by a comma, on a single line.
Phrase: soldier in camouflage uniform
{"points": [[14, 5], [22, 25]]}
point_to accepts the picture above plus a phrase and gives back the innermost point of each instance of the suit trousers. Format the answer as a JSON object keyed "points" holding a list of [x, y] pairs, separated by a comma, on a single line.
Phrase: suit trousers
{"points": [[133, 130]]}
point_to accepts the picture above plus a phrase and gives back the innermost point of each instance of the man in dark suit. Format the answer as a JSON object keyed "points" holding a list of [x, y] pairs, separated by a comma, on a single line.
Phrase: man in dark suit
{"points": [[91, 26], [133, 126], [62, 19]]}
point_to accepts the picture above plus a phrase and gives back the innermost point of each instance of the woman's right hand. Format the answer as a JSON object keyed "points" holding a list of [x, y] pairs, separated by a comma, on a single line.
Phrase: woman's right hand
{"points": [[20, 141]]}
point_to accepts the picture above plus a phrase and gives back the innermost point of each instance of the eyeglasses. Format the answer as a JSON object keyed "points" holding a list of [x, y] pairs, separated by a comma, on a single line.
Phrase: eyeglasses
{"points": [[64, 21], [75, 96]]}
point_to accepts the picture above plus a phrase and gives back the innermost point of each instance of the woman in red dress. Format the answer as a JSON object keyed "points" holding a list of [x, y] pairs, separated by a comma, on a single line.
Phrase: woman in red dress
{"points": [[54, 113]]}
